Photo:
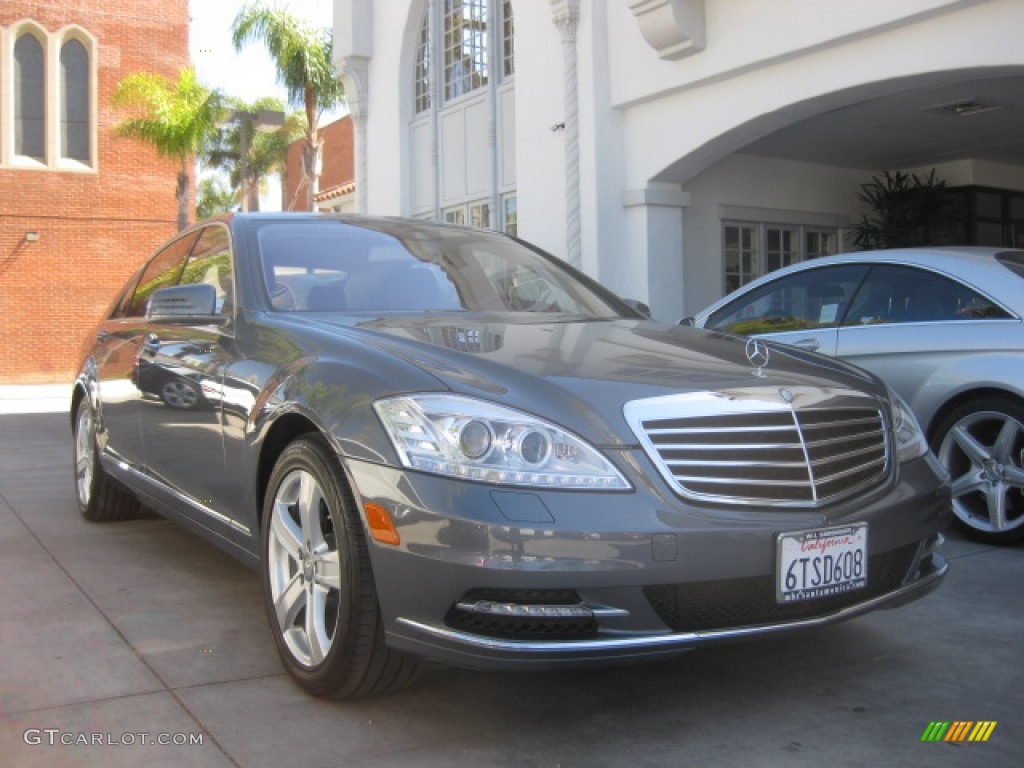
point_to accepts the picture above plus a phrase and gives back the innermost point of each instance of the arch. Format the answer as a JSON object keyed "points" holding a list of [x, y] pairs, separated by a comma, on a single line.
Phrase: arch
{"points": [[928, 88]]}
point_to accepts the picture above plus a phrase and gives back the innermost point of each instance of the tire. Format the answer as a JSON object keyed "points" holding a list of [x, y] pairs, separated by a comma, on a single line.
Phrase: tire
{"points": [[315, 553], [981, 444], [179, 394], [100, 499]]}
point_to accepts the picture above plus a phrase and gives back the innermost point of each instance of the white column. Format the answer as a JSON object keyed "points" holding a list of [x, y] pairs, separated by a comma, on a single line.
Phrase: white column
{"points": [[654, 218], [355, 75], [566, 15]]}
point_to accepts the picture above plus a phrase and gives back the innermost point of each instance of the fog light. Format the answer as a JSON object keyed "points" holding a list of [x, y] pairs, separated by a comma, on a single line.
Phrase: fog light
{"points": [[526, 611]]}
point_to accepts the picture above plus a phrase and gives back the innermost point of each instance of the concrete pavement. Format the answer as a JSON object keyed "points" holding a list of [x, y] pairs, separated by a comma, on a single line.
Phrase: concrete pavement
{"points": [[116, 636]]}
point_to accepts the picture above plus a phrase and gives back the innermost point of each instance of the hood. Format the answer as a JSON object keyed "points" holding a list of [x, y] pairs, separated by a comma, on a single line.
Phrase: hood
{"points": [[580, 374]]}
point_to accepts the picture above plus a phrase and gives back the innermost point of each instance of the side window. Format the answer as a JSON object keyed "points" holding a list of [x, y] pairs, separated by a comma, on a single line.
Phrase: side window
{"points": [[814, 298], [163, 270], [210, 263], [899, 294]]}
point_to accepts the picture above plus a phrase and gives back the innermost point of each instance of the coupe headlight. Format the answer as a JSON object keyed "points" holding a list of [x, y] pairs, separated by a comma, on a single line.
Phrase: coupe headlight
{"points": [[476, 440], [910, 440]]}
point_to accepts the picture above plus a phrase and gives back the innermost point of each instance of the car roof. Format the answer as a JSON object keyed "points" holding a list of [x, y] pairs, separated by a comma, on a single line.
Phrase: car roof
{"points": [[975, 266]]}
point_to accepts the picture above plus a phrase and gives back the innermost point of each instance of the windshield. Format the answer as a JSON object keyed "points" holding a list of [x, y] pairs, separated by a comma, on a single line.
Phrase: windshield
{"points": [[330, 265]]}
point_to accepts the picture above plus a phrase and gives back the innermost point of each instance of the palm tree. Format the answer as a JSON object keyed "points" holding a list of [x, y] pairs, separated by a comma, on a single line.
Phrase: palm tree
{"points": [[302, 56], [268, 152], [213, 197], [177, 119]]}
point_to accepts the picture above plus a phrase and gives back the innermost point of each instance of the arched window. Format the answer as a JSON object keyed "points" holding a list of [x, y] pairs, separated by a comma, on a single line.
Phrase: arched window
{"points": [[462, 159], [74, 101], [29, 98]]}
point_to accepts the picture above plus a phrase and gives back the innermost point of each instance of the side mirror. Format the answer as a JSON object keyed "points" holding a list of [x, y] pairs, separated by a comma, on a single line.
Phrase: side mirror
{"points": [[194, 304], [638, 306], [689, 322]]}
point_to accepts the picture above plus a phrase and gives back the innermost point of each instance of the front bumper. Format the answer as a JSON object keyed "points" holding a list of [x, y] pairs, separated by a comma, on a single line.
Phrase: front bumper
{"points": [[573, 578]]}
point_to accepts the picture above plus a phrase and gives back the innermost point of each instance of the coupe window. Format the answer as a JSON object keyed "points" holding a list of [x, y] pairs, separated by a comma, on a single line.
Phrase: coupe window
{"points": [[898, 294]]}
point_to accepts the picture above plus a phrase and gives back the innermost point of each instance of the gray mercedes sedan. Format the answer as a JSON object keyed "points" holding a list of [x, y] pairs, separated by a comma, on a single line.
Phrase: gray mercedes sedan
{"points": [[436, 442]]}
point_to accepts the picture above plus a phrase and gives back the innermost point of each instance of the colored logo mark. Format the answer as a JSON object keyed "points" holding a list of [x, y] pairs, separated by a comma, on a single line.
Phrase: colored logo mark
{"points": [[959, 730]]}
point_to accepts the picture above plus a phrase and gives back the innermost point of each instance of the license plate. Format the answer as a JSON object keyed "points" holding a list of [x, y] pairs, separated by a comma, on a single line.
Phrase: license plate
{"points": [[822, 563]]}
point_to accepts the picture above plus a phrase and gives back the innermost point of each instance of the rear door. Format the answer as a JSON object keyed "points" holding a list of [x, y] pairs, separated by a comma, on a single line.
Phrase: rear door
{"points": [[907, 324]]}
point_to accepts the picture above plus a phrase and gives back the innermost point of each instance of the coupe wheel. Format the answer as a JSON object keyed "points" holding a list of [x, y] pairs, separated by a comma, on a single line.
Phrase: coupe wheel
{"points": [[318, 583], [100, 499], [982, 445], [178, 394]]}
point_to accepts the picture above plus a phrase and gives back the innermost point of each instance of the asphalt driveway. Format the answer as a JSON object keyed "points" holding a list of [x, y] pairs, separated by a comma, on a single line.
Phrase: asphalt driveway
{"points": [[117, 638]]}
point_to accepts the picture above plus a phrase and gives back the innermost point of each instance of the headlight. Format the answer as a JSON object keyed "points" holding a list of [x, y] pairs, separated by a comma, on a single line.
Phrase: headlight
{"points": [[910, 441], [476, 440]]}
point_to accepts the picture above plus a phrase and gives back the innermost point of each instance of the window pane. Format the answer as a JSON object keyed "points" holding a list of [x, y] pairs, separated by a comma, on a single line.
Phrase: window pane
{"points": [[455, 215], [780, 250], [465, 46], [74, 101], [211, 263], [740, 255], [163, 271], [820, 242], [511, 216], [989, 205], [894, 294], [480, 216], [508, 35], [989, 233], [29, 98], [1017, 208], [423, 68], [816, 298]]}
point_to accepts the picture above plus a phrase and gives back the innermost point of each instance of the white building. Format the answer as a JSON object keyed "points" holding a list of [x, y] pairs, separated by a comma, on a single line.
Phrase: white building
{"points": [[673, 148]]}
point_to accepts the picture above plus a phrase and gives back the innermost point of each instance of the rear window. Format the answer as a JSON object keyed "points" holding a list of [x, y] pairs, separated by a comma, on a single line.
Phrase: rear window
{"points": [[1013, 261]]}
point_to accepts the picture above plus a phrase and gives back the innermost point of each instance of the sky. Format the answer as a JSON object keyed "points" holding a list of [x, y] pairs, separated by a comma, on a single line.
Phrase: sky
{"points": [[250, 74]]}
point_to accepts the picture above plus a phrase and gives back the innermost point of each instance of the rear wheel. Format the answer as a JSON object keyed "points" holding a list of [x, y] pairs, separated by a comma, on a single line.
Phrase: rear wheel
{"points": [[100, 499], [981, 443], [318, 584]]}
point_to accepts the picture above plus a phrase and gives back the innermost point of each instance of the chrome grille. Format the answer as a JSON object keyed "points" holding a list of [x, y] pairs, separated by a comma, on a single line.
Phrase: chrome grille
{"points": [[798, 447]]}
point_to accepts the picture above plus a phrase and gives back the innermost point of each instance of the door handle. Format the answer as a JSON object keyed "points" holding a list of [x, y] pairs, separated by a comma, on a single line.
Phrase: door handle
{"points": [[811, 345]]}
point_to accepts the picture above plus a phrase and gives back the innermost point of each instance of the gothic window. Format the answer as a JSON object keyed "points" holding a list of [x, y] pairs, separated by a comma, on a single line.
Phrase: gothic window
{"points": [[74, 101], [29, 98]]}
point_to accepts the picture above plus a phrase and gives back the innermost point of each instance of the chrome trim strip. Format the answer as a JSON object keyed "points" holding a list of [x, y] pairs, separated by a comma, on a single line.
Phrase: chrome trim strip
{"points": [[187, 499], [923, 584]]}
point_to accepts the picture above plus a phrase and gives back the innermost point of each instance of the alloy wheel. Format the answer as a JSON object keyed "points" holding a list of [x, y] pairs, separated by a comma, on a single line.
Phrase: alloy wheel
{"points": [[304, 568], [984, 453], [85, 454]]}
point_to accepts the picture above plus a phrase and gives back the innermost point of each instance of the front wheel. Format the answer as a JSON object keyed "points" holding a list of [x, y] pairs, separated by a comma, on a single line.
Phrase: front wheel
{"points": [[318, 584], [981, 444]]}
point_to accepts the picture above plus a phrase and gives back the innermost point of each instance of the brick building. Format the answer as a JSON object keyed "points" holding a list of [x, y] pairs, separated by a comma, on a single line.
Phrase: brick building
{"points": [[337, 178], [79, 208]]}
